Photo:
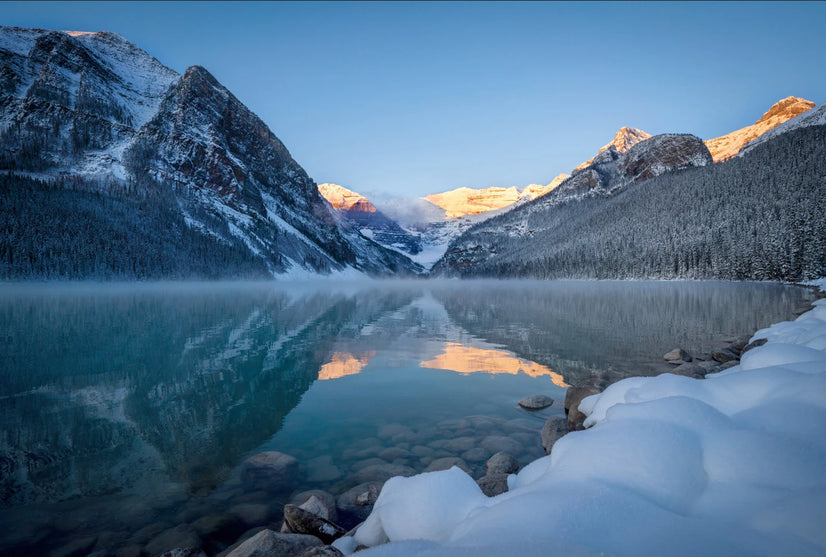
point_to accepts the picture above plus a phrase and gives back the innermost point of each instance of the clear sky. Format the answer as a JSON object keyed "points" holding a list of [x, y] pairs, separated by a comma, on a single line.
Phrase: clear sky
{"points": [[404, 99]]}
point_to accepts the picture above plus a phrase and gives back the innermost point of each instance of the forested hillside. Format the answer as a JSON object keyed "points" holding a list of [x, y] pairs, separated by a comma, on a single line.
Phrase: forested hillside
{"points": [[758, 216]]}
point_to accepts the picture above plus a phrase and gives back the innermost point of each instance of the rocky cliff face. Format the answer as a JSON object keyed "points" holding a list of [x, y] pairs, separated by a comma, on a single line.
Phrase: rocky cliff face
{"points": [[624, 139], [94, 112], [724, 147], [372, 223], [608, 172]]}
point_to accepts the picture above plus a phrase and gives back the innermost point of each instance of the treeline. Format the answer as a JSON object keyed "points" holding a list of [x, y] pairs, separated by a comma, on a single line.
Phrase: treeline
{"points": [[757, 217], [68, 229]]}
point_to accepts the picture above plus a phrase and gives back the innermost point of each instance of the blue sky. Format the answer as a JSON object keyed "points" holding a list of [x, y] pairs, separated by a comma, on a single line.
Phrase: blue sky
{"points": [[405, 99]]}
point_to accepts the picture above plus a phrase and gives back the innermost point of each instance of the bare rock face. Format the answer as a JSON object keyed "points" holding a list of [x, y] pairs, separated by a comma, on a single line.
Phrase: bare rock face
{"points": [[624, 139], [302, 521], [572, 399], [661, 154]]}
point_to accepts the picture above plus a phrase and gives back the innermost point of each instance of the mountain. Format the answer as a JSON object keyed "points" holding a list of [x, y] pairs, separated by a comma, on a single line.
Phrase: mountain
{"points": [[471, 201], [814, 117], [662, 210], [371, 222], [624, 139], [118, 167], [724, 147]]}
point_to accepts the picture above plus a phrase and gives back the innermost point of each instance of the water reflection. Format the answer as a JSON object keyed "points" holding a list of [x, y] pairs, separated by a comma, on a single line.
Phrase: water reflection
{"points": [[134, 402], [469, 359]]}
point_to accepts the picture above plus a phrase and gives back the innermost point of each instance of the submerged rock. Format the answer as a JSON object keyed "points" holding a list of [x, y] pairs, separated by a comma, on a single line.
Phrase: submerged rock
{"points": [[267, 543], [552, 431], [302, 521], [447, 463], [536, 402], [272, 470], [382, 472], [502, 463], [181, 536], [676, 355]]}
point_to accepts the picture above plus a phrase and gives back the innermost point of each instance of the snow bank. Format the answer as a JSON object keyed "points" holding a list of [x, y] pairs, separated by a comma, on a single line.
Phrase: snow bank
{"points": [[734, 464]]}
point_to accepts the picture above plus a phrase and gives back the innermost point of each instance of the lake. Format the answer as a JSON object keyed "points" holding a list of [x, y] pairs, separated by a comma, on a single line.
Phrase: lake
{"points": [[126, 410]]}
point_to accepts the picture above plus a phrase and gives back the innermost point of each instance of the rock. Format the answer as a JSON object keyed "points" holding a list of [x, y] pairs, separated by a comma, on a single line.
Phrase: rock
{"points": [[181, 536], [729, 364], [368, 497], [476, 454], [457, 445], [352, 502], [536, 402], [724, 355], [739, 343], [301, 521], [323, 551], [753, 344], [552, 431], [447, 463], [572, 399], [392, 453], [325, 498], [497, 443], [662, 153], [493, 484], [395, 432], [322, 469], [185, 552], [676, 355], [502, 463], [267, 543], [382, 472], [271, 470], [221, 528], [244, 537], [690, 370], [252, 514]]}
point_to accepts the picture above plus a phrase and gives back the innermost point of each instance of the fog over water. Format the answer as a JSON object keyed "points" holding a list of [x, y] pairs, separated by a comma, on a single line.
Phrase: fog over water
{"points": [[136, 403]]}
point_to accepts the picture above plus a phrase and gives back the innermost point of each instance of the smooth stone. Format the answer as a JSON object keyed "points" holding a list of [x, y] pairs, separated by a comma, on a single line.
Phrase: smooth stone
{"points": [[497, 443], [421, 451], [572, 399], [476, 454], [493, 484], [553, 430], [753, 344], [677, 354], [322, 469], [302, 521], [252, 514], [181, 536], [218, 527], [392, 453], [690, 369], [447, 463], [457, 445], [381, 472], [185, 552], [501, 463], [536, 402], [394, 431], [348, 501], [272, 469], [724, 355], [324, 497], [267, 543], [323, 551], [373, 461]]}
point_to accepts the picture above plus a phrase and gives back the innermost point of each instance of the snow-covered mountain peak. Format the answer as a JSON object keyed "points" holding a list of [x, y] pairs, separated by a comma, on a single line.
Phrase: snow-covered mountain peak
{"points": [[342, 198], [625, 138], [726, 146]]}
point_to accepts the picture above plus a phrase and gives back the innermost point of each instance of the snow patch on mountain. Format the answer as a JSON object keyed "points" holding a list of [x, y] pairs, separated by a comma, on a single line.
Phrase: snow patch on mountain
{"points": [[813, 117]]}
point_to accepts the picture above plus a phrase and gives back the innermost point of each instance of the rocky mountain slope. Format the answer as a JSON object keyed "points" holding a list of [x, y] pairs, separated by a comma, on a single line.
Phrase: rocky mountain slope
{"points": [[624, 139], [372, 223], [724, 147], [662, 210], [202, 186]]}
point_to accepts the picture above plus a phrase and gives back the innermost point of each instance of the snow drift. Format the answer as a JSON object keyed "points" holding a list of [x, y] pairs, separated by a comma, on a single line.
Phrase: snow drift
{"points": [[728, 465]]}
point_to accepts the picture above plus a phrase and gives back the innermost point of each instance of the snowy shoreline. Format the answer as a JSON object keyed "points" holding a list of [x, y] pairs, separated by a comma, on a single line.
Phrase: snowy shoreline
{"points": [[727, 465]]}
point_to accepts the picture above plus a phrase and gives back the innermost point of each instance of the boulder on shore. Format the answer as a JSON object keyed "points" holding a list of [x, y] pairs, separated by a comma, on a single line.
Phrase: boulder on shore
{"points": [[572, 399], [552, 431], [267, 543], [676, 355]]}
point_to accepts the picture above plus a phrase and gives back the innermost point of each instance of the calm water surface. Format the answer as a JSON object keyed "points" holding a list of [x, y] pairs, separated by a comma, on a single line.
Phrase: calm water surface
{"points": [[126, 410]]}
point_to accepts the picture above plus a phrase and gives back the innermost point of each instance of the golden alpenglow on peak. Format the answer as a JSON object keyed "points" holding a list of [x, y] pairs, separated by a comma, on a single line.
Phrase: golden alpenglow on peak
{"points": [[726, 146], [344, 199], [624, 139], [468, 359], [471, 201], [342, 364]]}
